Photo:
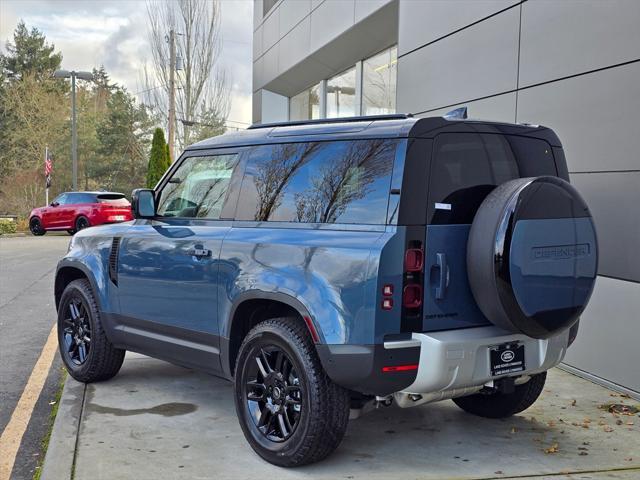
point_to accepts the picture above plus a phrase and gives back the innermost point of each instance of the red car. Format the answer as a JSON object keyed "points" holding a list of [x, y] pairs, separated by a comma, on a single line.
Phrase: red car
{"points": [[73, 211]]}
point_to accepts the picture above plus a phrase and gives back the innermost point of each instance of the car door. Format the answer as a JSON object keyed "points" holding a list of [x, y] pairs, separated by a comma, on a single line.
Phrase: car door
{"points": [[51, 216], [66, 210], [168, 266]]}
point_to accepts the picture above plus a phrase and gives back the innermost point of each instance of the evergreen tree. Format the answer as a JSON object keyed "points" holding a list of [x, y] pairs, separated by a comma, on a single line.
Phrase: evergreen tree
{"points": [[158, 161], [29, 54]]}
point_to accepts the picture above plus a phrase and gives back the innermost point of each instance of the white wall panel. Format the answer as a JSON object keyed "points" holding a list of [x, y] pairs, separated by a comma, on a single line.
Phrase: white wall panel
{"points": [[573, 36], [595, 116], [294, 47], [291, 12], [364, 8], [608, 338], [422, 21], [501, 108], [329, 20], [477, 62]]}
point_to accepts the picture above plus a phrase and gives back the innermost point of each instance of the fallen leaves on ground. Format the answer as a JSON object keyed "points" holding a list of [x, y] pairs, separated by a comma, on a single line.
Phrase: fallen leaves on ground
{"points": [[552, 449]]}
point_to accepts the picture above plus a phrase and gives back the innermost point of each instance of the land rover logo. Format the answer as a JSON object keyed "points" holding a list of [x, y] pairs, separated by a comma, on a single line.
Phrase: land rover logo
{"points": [[507, 356]]}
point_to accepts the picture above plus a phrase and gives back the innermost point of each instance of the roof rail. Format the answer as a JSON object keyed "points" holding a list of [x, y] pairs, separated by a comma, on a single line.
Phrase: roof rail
{"points": [[364, 118]]}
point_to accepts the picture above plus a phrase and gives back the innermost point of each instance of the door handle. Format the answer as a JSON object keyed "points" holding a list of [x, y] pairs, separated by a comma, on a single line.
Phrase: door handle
{"points": [[199, 251], [443, 282]]}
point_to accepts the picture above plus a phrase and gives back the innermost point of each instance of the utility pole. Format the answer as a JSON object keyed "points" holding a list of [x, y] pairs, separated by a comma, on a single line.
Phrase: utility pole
{"points": [[74, 134], [172, 92]]}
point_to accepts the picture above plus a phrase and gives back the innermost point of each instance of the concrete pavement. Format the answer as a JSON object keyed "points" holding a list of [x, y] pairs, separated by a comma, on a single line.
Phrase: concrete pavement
{"points": [[27, 313], [155, 420]]}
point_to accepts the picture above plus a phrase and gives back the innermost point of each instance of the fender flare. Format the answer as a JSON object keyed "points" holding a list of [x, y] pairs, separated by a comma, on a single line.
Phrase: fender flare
{"points": [[281, 297], [108, 323]]}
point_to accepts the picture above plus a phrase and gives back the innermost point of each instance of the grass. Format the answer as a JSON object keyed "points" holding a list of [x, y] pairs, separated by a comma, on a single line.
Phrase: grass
{"points": [[52, 418]]}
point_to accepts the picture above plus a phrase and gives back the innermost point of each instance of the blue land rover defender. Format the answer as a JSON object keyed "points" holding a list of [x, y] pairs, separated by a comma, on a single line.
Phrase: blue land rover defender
{"points": [[327, 265]]}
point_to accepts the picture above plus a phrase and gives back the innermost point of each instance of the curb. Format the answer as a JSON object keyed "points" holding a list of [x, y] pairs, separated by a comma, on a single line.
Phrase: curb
{"points": [[60, 457]]}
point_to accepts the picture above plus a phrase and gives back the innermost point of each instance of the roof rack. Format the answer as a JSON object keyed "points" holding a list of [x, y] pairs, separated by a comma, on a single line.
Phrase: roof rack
{"points": [[364, 118]]}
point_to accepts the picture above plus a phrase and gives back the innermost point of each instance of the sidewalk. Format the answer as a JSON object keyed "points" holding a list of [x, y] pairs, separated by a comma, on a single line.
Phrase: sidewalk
{"points": [[155, 421]]}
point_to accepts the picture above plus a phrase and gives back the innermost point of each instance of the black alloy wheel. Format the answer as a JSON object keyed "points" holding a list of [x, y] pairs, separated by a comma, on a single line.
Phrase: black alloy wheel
{"points": [[273, 393], [290, 411], [86, 351], [35, 226], [82, 223], [76, 331]]}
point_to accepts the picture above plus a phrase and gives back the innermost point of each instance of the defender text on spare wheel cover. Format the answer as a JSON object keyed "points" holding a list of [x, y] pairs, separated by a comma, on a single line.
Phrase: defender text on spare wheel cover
{"points": [[532, 256]]}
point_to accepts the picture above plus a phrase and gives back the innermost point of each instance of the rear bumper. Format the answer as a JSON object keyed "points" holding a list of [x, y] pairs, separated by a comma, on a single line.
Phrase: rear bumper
{"points": [[459, 359], [359, 367], [447, 361]]}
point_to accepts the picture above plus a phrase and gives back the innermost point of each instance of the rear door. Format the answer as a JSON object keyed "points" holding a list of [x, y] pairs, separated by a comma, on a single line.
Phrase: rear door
{"points": [[67, 210], [465, 168]]}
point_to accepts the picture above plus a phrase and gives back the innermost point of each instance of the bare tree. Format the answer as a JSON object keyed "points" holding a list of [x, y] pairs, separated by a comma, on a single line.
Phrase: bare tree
{"points": [[202, 88]]}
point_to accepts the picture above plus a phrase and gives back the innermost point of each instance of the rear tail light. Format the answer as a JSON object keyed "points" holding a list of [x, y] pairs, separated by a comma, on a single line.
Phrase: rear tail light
{"points": [[387, 303], [412, 296], [413, 260]]}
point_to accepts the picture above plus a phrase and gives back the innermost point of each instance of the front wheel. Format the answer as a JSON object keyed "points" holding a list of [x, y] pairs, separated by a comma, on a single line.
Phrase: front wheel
{"points": [[35, 226], [502, 405], [87, 353], [290, 412]]}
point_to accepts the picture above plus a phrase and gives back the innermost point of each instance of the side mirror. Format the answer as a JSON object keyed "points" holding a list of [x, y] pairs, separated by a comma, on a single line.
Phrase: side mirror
{"points": [[54, 204], [143, 203]]}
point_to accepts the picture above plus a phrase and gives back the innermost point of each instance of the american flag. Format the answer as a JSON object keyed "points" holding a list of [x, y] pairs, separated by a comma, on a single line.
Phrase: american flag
{"points": [[48, 166]]}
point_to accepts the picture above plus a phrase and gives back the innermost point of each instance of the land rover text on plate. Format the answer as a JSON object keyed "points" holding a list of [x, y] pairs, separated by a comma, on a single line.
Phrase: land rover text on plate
{"points": [[328, 266]]}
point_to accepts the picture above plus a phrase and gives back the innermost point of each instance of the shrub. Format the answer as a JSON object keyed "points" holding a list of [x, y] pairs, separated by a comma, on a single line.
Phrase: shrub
{"points": [[7, 226]]}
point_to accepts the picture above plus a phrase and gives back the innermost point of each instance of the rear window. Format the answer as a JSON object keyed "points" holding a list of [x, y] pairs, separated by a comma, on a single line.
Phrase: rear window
{"points": [[318, 182], [75, 198], [113, 198], [466, 167]]}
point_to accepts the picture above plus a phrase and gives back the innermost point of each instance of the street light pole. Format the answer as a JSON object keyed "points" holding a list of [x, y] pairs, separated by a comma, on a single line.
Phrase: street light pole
{"points": [[74, 130]]}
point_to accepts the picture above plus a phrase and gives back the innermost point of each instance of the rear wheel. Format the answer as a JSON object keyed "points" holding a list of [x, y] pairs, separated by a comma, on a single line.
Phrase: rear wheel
{"points": [[35, 226], [501, 405], [290, 412], [85, 349], [81, 223]]}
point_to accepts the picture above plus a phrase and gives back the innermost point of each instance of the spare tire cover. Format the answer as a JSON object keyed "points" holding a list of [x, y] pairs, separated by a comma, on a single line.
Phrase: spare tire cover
{"points": [[532, 256]]}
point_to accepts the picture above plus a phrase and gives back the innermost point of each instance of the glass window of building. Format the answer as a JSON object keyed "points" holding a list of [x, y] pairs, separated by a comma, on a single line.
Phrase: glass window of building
{"points": [[341, 94], [305, 105], [379, 83]]}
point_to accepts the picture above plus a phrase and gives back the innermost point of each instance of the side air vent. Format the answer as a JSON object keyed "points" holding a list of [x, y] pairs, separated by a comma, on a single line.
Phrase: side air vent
{"points": [[113, 260]]}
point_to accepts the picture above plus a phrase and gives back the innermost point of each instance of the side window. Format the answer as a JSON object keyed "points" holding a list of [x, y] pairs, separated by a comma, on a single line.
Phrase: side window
{"points": [[198, 188], [318, 182], [61, 199], [467, 167]]}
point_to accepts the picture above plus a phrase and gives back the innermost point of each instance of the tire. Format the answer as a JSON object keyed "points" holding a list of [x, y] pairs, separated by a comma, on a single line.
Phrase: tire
{"points": [[100, 360], [82, 222], [71, 232], [35, 226], [532, 256], [502, 405], [317, 426]]}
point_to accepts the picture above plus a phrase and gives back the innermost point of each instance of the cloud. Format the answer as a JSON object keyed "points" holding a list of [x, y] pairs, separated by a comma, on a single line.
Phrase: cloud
{"points": [[113, 33]]}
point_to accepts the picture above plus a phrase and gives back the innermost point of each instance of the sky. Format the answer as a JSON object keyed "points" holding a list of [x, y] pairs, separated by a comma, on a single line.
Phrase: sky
{"points": [[113, 33]]}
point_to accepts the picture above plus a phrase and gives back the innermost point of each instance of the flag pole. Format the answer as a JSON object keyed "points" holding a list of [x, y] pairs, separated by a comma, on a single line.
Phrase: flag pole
{"points": [[46, 190]]}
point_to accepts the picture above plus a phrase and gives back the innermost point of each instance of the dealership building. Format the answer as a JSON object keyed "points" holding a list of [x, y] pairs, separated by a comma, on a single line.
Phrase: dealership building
{"points": [[572, 65]]}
